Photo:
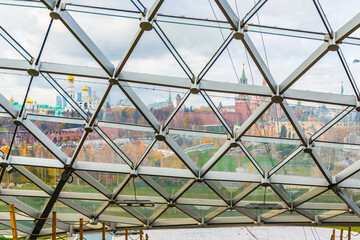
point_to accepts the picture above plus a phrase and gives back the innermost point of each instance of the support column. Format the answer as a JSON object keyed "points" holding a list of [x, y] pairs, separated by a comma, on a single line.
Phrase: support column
{"points": [[81, 229], [349, 233], [126, 234], [53, 220], [103, 231], [141, 234], [13, 221]]}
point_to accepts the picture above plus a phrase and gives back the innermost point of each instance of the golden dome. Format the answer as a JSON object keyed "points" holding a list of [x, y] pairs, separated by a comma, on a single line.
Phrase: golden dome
{"points": [[29, 100], [89, 99], [12, 100], [84, 89], [70, 79]]}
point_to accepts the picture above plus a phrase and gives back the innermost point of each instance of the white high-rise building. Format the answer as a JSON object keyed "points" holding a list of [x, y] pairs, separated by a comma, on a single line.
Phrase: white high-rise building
{"points": [[70, 88]]}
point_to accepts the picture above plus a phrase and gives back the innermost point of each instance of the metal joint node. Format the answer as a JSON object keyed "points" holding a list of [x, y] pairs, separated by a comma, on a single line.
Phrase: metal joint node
{"points": [[160, 137], [34, 69], [113, 81], [55, 14], [333, 46], [308, 149], [357, 108], [89, 129], [199, 180], [171, 204], [93, 221], [133, 173], [195, 88], [233, 142], [239, 34], [277, 98], [265, 182], [145, 24]]}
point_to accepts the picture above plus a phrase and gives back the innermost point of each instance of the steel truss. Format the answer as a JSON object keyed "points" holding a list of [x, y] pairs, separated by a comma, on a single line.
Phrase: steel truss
{"points": [[117, 78]]}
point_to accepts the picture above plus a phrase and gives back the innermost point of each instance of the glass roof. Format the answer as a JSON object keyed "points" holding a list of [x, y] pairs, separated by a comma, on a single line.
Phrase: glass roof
{"points": [[145, 113]]}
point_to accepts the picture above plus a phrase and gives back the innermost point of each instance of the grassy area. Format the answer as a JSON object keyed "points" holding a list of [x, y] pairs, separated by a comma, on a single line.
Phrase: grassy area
{"points": [[353, 229]]}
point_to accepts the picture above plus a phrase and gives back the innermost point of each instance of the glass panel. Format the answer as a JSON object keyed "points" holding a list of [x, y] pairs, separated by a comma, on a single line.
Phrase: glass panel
{"points": [[34, 202], [230, 213], [327, 197], [351, 55], [262, 194], [173, 7], [110, 180], [131, 142], [269, 154], [115, 210], [280, 48], [235, 65], [15, 180], [149, 211], [26, 25], [140, 189], [311, 116], [196, 115], [199, 148], [337, 157], [14, 86], [65, 135], [287, 15], [327, 75], [50, 176], [271, 123], [194, 48], [62, 208], [162, 156], [200, 191], [95, 149], [173, 213], [161, 101], [26, 145], [170, 185], [7, 129], [203, 211], [234, 160], [152, 56], [118, 108], [62, 47], [92, 206], [345, 10], [231, 189], [8, 51], [347, 130], [76, 184], [103, 37], [353, 194], [301, 165], [293, 191]]}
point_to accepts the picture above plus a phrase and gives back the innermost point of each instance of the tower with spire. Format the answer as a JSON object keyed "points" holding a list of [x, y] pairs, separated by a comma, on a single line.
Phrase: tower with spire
{"points": [[169, 101], [242, 101]]}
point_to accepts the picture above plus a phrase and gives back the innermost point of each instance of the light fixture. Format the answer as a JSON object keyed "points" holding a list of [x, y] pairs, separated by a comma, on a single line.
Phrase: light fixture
{"points": [[135, 203], [263, 206]]}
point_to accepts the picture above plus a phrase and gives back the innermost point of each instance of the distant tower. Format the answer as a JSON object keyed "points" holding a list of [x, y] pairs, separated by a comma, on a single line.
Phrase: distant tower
{"points": [[342, 88], [178, 99], [241, 101], [169, 101], [70, 88], [84, 94]]}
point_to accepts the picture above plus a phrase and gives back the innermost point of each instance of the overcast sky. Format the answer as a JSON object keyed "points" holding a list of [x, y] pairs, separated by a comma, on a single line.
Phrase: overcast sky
{"points": [[195, 44]]}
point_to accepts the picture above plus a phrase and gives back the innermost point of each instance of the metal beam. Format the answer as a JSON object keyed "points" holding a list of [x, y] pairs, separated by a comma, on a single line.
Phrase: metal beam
{"points": [[327, 126], [93, 182], [189, 212], [252, 12], [309, 195], [157, 188], [355, 208], [252, 119], [134, 98], [173, 50], [86, 42], [182, 155], [294, 122], [255, 55], [215, 158], [228, 13], [348, 28], [304, 67]]}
